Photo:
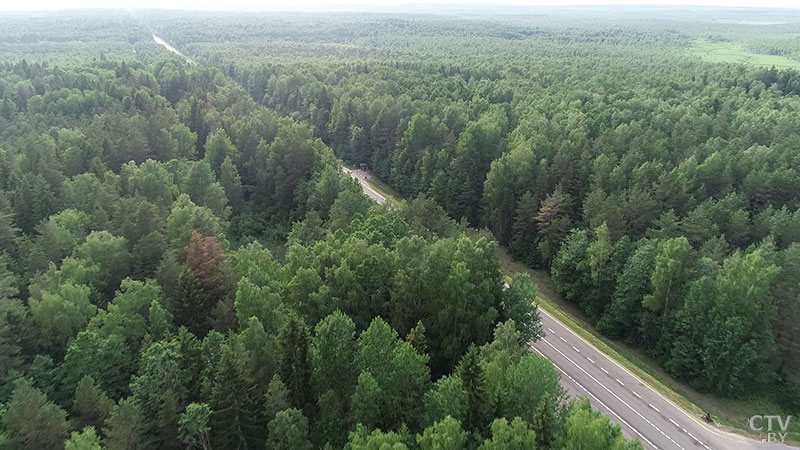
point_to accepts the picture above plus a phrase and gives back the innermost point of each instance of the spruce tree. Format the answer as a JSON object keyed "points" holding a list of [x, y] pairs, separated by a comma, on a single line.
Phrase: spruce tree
{"points": [[235, 422], [293, 341], [193, 308], [474, 381]]}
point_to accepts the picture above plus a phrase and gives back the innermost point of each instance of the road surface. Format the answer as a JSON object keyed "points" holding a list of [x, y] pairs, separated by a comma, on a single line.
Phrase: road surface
{"points": [[166, 45], [362, 177], [640, 411]]}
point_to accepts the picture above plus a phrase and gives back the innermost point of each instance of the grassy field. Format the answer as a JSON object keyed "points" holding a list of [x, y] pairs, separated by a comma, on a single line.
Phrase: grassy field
{"points": [[731, 52], [730, 414]]}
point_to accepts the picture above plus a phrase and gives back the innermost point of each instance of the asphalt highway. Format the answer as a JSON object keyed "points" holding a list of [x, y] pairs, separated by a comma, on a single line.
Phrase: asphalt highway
{"points": [[641, 412], [361, 176]]}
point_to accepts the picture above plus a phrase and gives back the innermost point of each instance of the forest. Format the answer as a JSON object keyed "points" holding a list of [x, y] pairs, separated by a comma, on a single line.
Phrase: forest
{"points": [[660, 192], [183, 264], [185, 268]]}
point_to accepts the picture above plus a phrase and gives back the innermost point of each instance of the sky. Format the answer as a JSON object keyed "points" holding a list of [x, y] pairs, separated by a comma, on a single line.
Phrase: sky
{"points": [[355, 5]]}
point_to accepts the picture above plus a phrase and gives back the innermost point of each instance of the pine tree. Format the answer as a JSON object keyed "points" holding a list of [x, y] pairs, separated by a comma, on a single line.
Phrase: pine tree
{"points": [[524, 235], [367, 401]]}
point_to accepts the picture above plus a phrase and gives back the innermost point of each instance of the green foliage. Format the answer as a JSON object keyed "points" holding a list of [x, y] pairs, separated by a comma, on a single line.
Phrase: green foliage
{"points": [[91, 406], [521, 306], [59, 315], [587, 429], [516, 435], [367, 398], [289, 431], [194, 426], [398, 377], [124, 429], [32, 421], [446, 398], [362, 439], [332, 355], [85, 440], [236, 410], [194, 305], [276, 399], [445, 435], [293, 342], [160, 390], [139, 192], [473, 380]]}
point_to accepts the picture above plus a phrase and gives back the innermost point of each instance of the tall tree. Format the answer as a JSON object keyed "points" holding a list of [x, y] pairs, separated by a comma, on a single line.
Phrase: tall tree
{"points": [[446, 434], [34, 422], [293, 341], [91, 406], [516, 435], [236, 415], [473, 380], [85, 440], [332, 355], [194, 426], [124, 428], [521, 305], [160, 389], [289, 431]]}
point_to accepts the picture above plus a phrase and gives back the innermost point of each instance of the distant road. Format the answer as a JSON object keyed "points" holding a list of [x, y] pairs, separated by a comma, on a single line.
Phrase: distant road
{"points": [[166, 45], [362, 177]]}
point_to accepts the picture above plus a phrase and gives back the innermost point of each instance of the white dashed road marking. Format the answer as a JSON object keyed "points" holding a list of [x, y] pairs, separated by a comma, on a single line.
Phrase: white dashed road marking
{"points": [[598, 400], [617, 397]]}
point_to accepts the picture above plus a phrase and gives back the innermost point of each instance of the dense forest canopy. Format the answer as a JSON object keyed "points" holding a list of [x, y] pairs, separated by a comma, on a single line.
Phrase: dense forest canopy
{"points": [[182, 263]]}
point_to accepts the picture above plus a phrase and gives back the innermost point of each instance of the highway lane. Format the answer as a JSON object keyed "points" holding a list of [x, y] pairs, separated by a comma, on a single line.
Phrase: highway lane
{"points": [[641, 412]]}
